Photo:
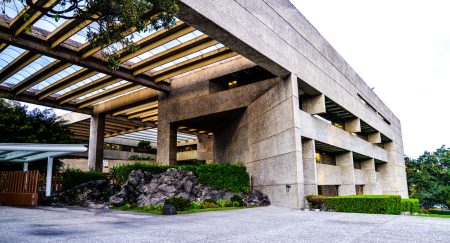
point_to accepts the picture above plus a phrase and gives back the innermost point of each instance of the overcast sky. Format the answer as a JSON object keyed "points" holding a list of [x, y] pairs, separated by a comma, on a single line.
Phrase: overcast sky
{"points": [[402, 48]]}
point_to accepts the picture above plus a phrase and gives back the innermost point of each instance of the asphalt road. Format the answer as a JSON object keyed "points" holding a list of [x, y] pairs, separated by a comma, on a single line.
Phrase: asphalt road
{"points": [[267, 224]]}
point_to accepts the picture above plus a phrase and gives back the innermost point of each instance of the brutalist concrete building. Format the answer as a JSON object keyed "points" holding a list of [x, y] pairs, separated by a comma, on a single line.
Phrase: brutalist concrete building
{"points": [[254, 81]]}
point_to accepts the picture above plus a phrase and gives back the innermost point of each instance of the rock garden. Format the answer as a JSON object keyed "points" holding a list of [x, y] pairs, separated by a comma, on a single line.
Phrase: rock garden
{"points": [[162, 189]]}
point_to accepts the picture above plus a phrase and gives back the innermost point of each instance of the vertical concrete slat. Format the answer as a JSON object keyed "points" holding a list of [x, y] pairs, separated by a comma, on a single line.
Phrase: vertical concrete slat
{"points": [[309, 167], [96, 139], [166, 153], [370, 186], [345, 161]]}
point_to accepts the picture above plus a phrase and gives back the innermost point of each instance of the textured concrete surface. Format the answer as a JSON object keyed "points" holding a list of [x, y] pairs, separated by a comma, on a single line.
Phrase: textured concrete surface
{"points": [[268, 224]]}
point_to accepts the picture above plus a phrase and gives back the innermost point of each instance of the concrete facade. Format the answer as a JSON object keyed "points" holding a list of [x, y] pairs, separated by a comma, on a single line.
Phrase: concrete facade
{"points": [[276, 126]]}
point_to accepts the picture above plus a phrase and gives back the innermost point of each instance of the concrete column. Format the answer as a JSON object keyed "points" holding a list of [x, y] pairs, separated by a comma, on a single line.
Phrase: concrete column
{"points": [[205, 148], [370, 187], [345, 161], [374, 137], [394, 172], [48, 181], [167, 143], [353, 125], [309, 167], [314, 104], [96, 139], [25, 166]]}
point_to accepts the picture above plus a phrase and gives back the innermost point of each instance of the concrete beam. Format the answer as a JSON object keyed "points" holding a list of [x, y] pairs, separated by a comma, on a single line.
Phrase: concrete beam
{"points": [[96, 139], [374, 137], [314, 104], [123, 102], [353, 125]]}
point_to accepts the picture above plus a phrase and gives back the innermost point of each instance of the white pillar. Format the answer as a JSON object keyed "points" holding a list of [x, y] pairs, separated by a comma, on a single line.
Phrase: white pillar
{"points": [[48, 183], [25, 166]]}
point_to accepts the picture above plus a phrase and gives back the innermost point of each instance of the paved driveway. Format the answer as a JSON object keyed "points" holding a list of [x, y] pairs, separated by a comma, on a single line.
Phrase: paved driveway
{"points": [[268, 224]]}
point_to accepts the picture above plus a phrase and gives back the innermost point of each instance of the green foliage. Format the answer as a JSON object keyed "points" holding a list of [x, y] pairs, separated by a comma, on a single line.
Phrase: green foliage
{"points": [[75, 177], [209, 205], [316, 201], [196, 205], [225, 203], [429, 177], [210, 200], [179, 203], [17, 125], [137, 157], [237, 201], [233, 178], [144, 145], [376, 204], [440, 212], [410, 205]]}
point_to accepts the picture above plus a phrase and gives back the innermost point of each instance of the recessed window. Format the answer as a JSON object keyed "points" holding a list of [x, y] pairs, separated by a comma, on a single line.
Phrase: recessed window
{"points": [[232, 84]]}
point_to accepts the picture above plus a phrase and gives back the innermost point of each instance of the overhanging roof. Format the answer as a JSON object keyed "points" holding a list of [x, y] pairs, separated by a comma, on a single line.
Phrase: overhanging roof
{"points": [[29, 152]]}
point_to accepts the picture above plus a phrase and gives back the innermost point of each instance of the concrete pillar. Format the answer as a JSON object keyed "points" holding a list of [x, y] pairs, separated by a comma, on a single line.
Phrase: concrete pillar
{"points": [[370, 187], [48, 181], [205, 148], [345, 161], [25, 166], [353, 125], [394, 172], [309, 167], [166, 153], [314, 104], [374, 137], [96, 139]]}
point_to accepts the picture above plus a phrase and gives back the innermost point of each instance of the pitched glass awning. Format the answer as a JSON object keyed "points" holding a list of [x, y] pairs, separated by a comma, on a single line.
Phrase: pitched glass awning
{"points": [[29, 152]]}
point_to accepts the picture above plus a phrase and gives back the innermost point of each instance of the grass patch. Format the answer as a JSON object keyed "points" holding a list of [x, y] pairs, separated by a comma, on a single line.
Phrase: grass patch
{"points": [[158, 209], [433, 215]]}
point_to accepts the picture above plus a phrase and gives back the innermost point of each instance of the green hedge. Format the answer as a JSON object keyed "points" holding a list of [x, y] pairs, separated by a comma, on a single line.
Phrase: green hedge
{"points": [[376, 204], [75, 177], [233, 178], [316, 201], [410, 205], [437, 211]]}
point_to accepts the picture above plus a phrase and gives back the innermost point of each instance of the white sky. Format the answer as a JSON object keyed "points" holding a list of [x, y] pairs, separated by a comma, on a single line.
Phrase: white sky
{"points": [[402, 48]]}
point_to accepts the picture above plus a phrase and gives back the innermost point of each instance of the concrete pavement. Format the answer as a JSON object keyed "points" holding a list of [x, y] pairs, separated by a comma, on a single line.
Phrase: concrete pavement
{"points": [[266, 224]]}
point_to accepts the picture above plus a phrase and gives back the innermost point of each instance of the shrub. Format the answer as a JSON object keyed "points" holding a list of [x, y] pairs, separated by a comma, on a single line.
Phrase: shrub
{"points": [[209, 205], [237, 201], [376, 204], [316, 201], [437, 211], [210, 200], [75, 177], [233, 178], [225, 203], [137, 157], [410, 205], [179, 203], [196, 205]]}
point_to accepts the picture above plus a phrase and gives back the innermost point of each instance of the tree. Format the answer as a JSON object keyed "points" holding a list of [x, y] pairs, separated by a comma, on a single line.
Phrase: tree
{"points": [[113, 18], [429, 177]]}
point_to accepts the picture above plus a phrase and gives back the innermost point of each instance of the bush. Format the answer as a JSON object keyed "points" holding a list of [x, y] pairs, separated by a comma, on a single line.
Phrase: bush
{"points": [[196, 205], [316, 201], [437, 211], [237, 201], [210, 200], [179, 203], [228, 177], [225, 203], [75, 177], [137, 157], [410, 205], [209, 205], [233, 178], [376, 204]]}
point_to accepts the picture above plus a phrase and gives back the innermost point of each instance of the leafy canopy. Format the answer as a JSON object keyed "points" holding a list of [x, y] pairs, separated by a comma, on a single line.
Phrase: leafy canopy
{"points": [[429, 177], [113, 20]]}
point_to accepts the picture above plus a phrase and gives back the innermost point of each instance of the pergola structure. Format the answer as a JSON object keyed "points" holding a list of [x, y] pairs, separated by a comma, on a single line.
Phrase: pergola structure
{"points": [[26, 153]]}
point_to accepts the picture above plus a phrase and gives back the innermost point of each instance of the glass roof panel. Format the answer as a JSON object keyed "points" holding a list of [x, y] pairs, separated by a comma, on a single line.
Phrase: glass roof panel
{"points": [[81, 36], [9, 54], [168, 45], [12, 8], [81, 83], [102, 90], [129, 92], [48, 24], [29, 70], [60, 75]]}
